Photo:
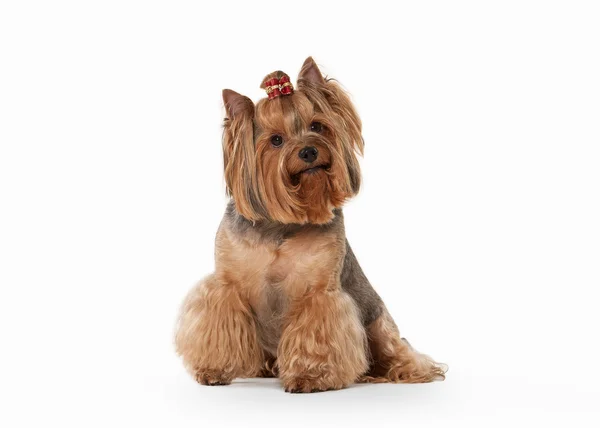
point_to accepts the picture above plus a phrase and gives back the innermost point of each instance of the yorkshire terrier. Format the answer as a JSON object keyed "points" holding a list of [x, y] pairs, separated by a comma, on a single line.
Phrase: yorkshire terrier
{"points": [[288, 298]]}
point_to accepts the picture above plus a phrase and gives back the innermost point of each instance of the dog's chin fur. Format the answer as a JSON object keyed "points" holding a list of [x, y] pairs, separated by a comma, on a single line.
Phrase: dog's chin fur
{"points": [[315, 192]]}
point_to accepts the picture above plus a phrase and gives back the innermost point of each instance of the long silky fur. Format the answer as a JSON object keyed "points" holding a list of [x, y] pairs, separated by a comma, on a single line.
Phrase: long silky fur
{"points": [[288, 297]]}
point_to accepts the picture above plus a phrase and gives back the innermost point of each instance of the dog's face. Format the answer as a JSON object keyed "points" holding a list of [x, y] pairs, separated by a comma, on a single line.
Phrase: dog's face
{"points": [[291, 157]]}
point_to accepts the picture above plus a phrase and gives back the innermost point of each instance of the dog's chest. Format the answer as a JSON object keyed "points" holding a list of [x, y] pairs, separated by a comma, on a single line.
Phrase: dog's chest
{"points": [[273, 296], [288, 274], [269, 314], [276, 269]]}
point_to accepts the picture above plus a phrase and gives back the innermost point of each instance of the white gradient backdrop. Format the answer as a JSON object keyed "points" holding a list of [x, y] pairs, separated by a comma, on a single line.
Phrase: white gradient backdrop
{"points": [[478, 221]]}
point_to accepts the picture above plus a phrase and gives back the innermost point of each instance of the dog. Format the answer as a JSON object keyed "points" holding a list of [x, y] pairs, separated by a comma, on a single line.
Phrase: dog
{"points": [[288, 298]]}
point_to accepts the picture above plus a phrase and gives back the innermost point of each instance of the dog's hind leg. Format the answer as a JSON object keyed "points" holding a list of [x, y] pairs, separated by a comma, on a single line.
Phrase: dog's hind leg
{"points": [[394, 360], [269, 368], [216, 334]]}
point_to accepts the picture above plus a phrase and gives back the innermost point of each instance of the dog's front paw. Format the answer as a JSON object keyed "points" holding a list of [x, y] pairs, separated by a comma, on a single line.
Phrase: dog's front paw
{"points": [[212, 377], [305, 384]]}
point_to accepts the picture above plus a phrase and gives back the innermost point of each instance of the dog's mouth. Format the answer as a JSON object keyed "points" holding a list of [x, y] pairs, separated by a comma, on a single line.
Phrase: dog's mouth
{"points": [[311, 170]]}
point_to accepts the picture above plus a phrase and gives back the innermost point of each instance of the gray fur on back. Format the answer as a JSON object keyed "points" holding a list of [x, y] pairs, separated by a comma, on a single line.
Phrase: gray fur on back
{"points": [[356, 284]]}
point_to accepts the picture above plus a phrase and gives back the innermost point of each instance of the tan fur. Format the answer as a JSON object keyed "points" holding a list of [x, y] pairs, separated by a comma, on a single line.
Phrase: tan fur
{"points": [[214, 317], [394, 360], [276, 304], [304, 271], [323, 345], [269, 368]]}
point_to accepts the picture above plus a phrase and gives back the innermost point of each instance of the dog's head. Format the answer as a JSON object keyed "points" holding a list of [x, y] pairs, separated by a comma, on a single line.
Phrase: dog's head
{"points": [[291, 157]]}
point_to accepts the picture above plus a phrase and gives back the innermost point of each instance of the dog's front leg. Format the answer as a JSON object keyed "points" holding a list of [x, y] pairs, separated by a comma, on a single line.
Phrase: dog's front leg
{"points": [[216, 335], [323, 343]]}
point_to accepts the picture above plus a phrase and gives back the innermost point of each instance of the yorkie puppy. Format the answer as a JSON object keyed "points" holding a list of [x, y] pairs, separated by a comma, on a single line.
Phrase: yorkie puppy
{"points": [[288, 298]]}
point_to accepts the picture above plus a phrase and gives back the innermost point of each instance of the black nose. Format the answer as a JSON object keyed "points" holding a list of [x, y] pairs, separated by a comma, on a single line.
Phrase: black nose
{"points": [[308, 154]]}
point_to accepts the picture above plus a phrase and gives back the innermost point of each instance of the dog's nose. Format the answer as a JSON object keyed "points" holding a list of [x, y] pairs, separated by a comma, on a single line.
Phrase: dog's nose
{"points": [[308, 154]]}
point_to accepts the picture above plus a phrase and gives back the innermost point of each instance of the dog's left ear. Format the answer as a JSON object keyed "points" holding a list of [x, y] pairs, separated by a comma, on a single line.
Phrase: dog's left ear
{"points": [[310, 73]]}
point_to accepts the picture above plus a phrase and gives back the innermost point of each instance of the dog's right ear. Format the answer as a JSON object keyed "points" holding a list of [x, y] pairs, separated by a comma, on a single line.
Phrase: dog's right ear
{"points": [[239, 155], [237, 105]]}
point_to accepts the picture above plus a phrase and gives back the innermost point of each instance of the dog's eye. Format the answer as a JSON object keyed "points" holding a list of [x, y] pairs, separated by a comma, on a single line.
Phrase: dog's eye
{"points": [[276, 140], [316, 127]]}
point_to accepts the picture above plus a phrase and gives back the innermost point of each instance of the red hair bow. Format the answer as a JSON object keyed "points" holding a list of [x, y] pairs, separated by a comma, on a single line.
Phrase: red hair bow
{"points": [[276, 87]]}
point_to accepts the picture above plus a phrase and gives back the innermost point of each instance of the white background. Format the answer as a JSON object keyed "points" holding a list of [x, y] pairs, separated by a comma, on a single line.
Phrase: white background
{"points": [[478, 221]]}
